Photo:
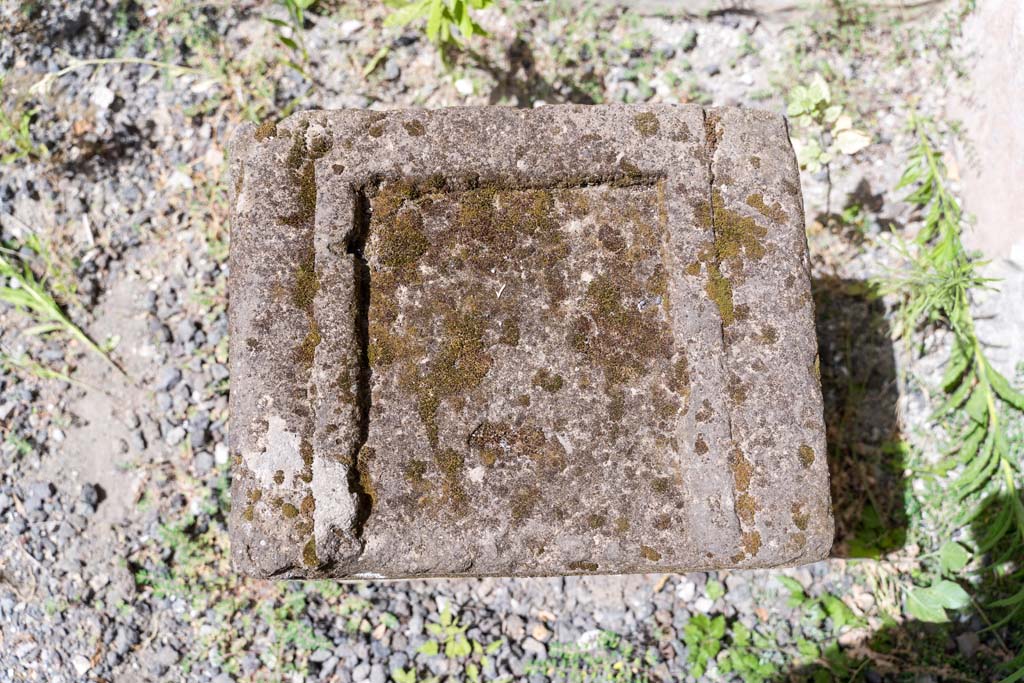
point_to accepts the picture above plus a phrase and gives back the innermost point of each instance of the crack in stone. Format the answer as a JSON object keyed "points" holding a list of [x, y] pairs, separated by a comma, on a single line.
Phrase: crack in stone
{"points": [[361, 321], [710, 147]]}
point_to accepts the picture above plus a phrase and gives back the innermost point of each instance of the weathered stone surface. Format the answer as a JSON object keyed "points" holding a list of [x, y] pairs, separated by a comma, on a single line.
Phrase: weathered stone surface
{"points": [[506, 342]]}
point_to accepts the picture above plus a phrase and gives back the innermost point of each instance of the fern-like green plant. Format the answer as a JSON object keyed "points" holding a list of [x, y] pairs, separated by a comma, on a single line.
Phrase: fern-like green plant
{"points": [[983, 464]]}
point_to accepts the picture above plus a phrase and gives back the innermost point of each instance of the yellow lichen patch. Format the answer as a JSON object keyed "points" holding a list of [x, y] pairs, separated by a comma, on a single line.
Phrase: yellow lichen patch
{"points": [[265, 130], [622, 525], [800, 518], [307, 506], [646, 124], [774, 212], [742, 470], [309, 557], [737, 238], [596, 521], [546, 381], [649, 553], [746, 506], [806, 454], [700, 446], [582, 566], [248, 513], [414, 127], [289, 510], [306, 350], [751, 543]]}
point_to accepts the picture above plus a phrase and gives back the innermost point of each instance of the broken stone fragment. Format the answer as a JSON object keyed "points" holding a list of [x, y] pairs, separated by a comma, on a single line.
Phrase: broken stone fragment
{"points": [[488, 341]]}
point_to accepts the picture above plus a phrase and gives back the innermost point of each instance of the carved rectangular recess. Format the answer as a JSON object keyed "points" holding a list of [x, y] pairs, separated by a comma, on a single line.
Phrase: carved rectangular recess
{"points": [[519, 344]]}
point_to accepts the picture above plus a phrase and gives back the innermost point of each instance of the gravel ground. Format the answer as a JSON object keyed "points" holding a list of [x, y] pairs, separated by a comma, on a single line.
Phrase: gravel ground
{"points": [[113, 488]]}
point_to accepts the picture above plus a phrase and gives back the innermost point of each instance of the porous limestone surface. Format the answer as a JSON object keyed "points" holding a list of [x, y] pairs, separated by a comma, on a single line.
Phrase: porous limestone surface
{"points": [[488, 341]]}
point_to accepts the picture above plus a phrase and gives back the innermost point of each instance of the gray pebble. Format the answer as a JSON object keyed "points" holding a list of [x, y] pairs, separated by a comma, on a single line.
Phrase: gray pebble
{"points": [[164, 401], [361, 672], [203, 462], [377, 674], [175, 436], [535, 647], [968, 643], [168, 379]]}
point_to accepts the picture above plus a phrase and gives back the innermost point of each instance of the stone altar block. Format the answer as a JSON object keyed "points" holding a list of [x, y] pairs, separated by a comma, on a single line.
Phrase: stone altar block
{"points": [[487, 341]]}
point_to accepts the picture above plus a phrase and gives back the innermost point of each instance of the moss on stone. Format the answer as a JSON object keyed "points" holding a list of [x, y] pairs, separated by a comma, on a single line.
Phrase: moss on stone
{"points": [[546, 381], [649, 553], [800, 518], [305, 179], [309, 557], [461, 364], [523, 503], [510, 332], [306, 350], [366, 484], [414, 127], [305, 285], [265, 130], [402, 239], [751, 543], [742, 470], [646, 124], [582, 566], [746, 506], [774, 212], [736, 238], [806, 454]]}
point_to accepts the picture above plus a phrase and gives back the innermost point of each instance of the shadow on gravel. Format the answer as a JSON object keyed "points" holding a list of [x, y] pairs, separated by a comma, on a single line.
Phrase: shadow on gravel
{"points": [[865, 456], [866, 463], [522, 82]]}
